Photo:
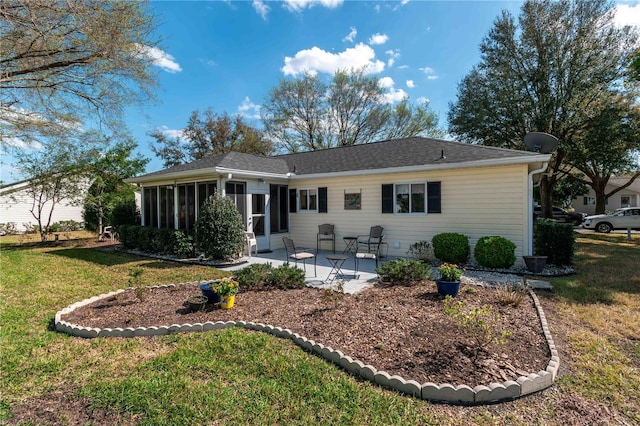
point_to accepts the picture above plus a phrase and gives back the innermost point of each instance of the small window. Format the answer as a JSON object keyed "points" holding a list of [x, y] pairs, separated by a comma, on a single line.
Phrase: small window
{"points": [[308, 200], [410, 198]]}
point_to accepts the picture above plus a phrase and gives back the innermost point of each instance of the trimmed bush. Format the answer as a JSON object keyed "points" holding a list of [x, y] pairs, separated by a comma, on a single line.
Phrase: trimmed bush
{"points": [[451, 247], [264, 276], [286, 276], [182, 244], [495, 252], [220, 229], [254, 276], [404, 271], [162, 240], [554, 240]]}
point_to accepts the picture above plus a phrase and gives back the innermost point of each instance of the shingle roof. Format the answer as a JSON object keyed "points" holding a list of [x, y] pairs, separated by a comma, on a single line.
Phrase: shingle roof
{"points": [[416, 151]]}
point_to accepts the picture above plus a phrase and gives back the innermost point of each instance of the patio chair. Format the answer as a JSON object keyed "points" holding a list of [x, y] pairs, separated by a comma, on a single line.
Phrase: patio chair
{"points": [[326, 233], [373, 255], [299, 254], [373, 239], [251, 242], [108, 232]]}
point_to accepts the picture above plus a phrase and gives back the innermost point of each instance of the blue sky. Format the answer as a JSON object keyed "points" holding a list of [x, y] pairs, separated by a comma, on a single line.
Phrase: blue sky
{"points": [[227, 55]]}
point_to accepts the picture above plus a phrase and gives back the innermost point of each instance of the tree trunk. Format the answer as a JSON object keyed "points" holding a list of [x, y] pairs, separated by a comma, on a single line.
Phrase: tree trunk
{"points": [[546, 197]]}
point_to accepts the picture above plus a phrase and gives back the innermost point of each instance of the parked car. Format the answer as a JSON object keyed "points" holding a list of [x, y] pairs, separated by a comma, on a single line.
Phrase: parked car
{"points": [[561, 215], [626, 217]]}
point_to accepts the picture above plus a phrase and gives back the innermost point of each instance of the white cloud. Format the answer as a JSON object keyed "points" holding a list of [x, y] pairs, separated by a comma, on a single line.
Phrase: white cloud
{"points": [[403, 67], [627, 15], [386, 82], [172, 133], [316, 60], [299, 5], [394, 95], [248, 109], [352, 35], [378, 39], [261, 8], [393, 55], [411, 84], [430, 72], [423, 100], [161, 58]]}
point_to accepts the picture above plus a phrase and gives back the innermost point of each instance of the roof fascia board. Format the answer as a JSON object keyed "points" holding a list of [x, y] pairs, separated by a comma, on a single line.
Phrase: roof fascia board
{"points": [[432, 167], [217, 171]]}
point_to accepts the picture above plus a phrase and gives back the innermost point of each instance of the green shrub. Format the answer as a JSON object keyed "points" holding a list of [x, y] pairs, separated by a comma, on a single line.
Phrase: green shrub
{"points": [[554, 240], [286, 276], [146, 235], [254, 276], [126, 239], [451, 247], [162, 240], [495, 252], [404, 271], [420, 250], [68, 225], [181, 244], [220, 229]]}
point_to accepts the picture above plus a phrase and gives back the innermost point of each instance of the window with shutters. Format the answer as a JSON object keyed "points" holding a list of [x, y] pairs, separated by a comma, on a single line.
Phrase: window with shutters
{"points": [[311, 200], [411, 198]]}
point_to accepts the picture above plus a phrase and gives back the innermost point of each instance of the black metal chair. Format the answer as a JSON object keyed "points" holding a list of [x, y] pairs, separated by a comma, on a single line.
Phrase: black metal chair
{"points": [[373, 239], [373, 255], [326, 233], [301, 254]]}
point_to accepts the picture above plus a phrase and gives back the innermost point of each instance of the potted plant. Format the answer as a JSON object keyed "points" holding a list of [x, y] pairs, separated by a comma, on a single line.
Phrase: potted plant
{"points": [[197, 303], [226, 288], [206, 289], [449, 282]]}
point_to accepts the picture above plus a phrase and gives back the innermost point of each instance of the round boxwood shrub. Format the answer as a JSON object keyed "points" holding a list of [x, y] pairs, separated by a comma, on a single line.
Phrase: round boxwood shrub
{"points": [[220, 229], [495, 252], [451, 247]]}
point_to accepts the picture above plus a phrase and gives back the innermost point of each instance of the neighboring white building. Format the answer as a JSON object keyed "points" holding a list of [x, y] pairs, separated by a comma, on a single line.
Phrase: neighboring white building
{"points": [[628, 197], [16, 204]]}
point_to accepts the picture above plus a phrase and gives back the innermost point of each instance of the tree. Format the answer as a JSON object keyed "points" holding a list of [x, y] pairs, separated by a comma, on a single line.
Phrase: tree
{"points": [[63, 61], [53, 175], [208, 135], [546, 72], [310, 114], [608, 146], [635, 66], [108, 190]]}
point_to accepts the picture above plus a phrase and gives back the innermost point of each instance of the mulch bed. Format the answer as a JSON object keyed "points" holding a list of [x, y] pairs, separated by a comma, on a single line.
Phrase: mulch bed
{"points": [[402, 330]]}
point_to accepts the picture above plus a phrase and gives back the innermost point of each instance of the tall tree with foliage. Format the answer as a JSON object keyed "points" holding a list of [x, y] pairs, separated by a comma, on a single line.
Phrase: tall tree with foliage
{"points": [[547, 71], [54, 175], [608, 146], [310, 114], [108, 190], [209, 134], [65, 61]]}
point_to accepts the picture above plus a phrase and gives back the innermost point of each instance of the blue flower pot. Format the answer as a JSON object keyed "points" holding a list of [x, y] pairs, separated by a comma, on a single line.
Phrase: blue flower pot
{"points": [[448, 288], [206, 291]]}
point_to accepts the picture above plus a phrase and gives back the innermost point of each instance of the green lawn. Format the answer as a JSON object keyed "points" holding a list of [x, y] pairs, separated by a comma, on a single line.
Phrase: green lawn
{"points": [[236, 376]]}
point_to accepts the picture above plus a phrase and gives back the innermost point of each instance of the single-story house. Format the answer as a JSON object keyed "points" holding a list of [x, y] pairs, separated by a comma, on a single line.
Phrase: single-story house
{"points": [[16, 204], [414, 187], [628, 197]]}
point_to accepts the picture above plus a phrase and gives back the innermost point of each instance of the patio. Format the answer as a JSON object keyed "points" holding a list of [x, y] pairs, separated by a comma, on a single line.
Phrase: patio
{"points": [[353, 282]]}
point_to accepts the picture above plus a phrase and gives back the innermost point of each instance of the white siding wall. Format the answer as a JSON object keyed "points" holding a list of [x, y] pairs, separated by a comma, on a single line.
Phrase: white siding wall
{"points": [[16, 207], [614, 202], [475, 202]]}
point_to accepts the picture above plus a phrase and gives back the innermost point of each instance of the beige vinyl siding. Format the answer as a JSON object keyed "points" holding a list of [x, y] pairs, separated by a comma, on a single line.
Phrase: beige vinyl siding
{"points": [[475, 202]]}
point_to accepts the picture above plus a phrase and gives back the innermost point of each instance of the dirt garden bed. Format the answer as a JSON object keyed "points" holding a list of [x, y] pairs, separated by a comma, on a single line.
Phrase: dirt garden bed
{"points": [[401, 330]]}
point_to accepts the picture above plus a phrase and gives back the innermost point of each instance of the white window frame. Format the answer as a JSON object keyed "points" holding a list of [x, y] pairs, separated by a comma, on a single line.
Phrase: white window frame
{"points": [[309, 193], [410, 212]]}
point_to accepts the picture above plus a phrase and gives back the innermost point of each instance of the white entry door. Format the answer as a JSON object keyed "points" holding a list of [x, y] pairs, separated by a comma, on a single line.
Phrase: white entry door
{"points": [[259, 220]]}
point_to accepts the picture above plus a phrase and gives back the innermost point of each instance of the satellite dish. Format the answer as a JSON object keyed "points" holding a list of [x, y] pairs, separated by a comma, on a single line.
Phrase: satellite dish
{"points": [[540, 142]]}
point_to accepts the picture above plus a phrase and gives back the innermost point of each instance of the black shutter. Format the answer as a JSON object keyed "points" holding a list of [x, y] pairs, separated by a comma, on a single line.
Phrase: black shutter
{"points": [[434, 204], [387, 198], [322, 200], [293, 204]]}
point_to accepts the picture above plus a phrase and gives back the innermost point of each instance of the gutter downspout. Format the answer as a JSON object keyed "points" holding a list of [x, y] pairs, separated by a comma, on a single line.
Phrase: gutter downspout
{"points": [[530, 206]]}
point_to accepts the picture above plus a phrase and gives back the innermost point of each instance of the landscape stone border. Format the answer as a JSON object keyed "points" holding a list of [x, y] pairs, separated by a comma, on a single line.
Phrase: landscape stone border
{"points": [[444, 392]]}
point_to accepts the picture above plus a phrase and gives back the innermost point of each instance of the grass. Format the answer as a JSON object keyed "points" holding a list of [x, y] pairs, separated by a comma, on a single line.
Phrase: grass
{"points": [[234, 376]]}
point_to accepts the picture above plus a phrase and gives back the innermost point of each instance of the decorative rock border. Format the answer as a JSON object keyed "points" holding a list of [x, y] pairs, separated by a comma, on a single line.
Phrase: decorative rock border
{"points": [[444, 392]]}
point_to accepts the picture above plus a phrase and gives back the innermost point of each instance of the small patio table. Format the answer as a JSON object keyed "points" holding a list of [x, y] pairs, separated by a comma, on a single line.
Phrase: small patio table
{"points": [[336, 261], [351, 244]]}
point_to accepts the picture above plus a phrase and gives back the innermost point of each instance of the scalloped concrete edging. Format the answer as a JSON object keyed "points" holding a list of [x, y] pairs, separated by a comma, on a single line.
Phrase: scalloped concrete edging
{"points": [[443, 392]]}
